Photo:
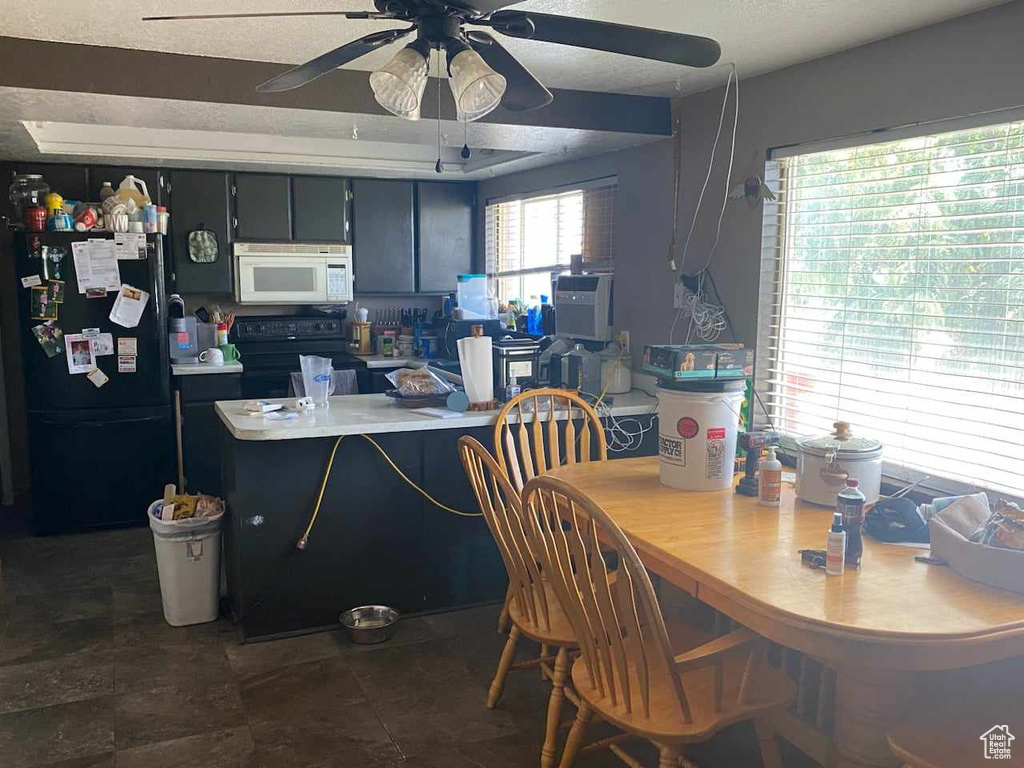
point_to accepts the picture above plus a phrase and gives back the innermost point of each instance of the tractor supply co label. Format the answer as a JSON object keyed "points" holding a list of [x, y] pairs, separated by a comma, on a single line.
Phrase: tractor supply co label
{"points": [[716, 453], [672, 450]]}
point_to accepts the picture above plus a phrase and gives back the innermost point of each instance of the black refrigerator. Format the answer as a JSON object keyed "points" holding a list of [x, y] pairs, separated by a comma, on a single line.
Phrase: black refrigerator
{"points": [[98, 455]]}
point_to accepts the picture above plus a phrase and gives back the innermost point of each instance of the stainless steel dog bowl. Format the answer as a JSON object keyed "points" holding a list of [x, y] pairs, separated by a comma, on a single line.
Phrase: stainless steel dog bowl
{"points": [[369, 624]]}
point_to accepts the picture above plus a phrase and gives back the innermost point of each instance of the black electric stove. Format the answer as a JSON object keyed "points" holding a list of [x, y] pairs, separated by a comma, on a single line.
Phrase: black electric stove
{"points": [[269, 349]]}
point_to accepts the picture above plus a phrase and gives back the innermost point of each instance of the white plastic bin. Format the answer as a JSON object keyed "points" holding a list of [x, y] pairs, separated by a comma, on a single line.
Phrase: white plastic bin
{"points": [[188, 560]]}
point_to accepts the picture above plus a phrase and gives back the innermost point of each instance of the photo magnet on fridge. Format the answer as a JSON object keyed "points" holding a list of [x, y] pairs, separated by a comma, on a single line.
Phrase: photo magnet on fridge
{"points": [[56, 288], [80, 353], [50, 338], [42, 306], [97, 377]]}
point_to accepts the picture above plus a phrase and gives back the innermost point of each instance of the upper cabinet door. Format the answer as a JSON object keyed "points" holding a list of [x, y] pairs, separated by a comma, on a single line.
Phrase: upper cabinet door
{"points": [[444, 233], [382, 236], [263, 207], [199, 202], [320, 209]]}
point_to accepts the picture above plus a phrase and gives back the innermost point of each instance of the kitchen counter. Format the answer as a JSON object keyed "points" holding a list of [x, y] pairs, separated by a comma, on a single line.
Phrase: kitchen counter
{"points": [[377, 414], [200, 369], [376, 540]]}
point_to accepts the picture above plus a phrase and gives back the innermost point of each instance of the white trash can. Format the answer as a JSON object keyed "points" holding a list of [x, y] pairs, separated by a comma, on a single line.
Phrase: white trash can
{"points": [[188, 560]]}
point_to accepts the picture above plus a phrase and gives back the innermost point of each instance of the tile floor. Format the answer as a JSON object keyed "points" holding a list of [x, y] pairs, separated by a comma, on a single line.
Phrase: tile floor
{"points": [[92, 677]]}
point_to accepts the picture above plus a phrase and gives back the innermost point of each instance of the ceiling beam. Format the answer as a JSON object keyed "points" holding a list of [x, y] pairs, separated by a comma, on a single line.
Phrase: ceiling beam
{"points": [[58, 66]]}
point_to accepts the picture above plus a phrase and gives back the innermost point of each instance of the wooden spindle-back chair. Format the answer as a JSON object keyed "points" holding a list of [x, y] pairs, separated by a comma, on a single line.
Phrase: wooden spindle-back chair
{"points": [[533, 444], [533, 608], [628, 671]]}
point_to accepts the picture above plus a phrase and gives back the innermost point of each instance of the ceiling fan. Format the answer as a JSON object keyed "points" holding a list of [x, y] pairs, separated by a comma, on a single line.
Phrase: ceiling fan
{"points": [[482, 74]]}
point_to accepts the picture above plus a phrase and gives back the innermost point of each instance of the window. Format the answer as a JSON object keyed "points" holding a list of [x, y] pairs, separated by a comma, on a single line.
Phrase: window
{"points": [[892, 296], [530, 239]]}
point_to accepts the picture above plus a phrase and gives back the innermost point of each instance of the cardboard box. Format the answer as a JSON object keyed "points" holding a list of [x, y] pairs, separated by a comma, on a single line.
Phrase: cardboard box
{"points": [[700, 362]]}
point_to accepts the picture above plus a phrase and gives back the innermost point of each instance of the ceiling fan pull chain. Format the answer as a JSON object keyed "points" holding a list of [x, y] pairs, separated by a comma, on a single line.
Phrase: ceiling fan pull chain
{"points": [[440, 166], [466, 151]]}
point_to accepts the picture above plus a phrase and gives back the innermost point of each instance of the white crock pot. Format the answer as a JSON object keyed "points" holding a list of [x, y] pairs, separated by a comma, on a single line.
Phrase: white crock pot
{"points": [[825, 462]]}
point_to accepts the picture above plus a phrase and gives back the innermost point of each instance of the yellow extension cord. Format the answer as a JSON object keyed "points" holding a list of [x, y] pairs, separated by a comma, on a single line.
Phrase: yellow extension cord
{"points": [[301, 544]]}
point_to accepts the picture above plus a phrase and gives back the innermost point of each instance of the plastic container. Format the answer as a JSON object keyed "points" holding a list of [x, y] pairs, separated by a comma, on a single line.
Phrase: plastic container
{"points": [[135, 190], [107, 190], [769, 480], [472, 296], [317, 379], [616, 374], [697, 426], [835, 553], [850, 504], [188, 561]]}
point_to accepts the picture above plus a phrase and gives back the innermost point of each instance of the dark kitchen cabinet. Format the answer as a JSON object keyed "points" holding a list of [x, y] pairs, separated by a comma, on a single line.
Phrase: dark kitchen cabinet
{"points": [[379, 383], [320, 209], [382, 237], [444, 234], [71, 181], [115, 174], [263, 207], [200, 427], [199, 200]]}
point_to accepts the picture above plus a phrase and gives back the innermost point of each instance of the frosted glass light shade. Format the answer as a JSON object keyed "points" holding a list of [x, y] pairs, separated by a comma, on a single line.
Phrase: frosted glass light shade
{"points": [[476, 87], [398, 85]]}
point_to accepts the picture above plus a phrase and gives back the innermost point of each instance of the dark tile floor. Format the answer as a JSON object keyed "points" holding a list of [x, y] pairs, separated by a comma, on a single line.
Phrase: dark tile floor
{"points": [[92, 677]]}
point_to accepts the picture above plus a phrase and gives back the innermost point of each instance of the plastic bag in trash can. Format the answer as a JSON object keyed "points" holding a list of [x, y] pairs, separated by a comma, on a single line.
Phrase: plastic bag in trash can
{"points": [[183, 529]]}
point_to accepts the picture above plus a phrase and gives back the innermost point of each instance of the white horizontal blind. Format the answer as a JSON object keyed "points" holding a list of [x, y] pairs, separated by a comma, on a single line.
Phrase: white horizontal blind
{"points": [[527, 240], [892, 296]]}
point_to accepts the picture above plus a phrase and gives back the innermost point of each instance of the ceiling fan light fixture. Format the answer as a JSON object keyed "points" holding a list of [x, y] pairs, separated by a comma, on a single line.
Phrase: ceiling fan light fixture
{"points": [[476, 87], [398, 86]]}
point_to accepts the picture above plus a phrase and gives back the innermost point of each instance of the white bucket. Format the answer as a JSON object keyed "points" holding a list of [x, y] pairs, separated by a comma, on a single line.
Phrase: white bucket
{"points": [[697, 438]]}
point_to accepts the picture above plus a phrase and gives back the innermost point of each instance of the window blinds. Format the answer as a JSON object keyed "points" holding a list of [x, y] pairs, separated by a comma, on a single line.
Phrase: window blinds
{"points": [[892, 297], [529, 239]]}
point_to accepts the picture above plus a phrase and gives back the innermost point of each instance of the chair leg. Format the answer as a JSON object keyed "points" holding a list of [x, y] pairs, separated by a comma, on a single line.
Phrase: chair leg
{"points": [[547, 753], [508, 654], [503, 616], [770, 756], [545, 651], [576, 734], [669, 757]]}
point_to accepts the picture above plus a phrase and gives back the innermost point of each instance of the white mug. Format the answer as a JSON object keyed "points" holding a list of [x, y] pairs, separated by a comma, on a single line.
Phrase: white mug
{"points": [[212, 356]]}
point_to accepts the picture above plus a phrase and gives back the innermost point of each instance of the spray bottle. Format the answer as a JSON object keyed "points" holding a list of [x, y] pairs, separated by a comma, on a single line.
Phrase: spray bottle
{"points": [[835, 553]]}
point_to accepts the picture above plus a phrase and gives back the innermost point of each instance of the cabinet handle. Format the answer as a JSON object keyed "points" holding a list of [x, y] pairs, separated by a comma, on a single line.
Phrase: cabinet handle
{"points": [[232, 190], [234, 222]]}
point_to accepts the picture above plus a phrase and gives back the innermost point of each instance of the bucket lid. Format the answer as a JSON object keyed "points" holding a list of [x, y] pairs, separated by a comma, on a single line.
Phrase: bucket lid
{"points": [[842, 442], [702, 385]]}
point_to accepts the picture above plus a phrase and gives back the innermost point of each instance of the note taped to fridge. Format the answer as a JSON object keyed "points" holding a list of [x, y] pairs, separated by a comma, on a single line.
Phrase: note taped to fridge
{"points": [[126, 363], [28, 282], [103, 344], [96, 265], [128, 306], [129, 245], [127, 345]]}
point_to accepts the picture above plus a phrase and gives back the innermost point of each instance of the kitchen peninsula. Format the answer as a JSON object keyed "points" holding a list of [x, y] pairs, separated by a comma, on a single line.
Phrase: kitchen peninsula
{"points": [[376, 539]]}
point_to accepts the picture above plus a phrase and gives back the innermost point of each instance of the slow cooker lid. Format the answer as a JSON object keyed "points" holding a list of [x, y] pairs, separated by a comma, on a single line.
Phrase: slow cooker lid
{"points": [[842, 443]]}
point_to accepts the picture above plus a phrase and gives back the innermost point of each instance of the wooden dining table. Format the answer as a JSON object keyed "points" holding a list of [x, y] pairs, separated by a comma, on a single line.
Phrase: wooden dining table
{"points": [[879, 627]]}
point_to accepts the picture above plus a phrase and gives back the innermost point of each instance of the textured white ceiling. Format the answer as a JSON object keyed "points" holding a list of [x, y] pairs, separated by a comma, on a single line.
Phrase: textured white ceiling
{"points": [[759, 35]]}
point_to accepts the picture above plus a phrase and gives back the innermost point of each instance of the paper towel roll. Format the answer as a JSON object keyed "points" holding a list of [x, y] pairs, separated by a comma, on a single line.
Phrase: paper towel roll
{"points": [[477, 368]]}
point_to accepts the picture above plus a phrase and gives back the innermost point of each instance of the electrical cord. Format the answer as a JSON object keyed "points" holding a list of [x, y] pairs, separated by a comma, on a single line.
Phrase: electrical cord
{"points": [[303, 542]]}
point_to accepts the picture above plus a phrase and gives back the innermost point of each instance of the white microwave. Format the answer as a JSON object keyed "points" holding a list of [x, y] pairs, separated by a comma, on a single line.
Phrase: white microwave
{"points": [[293, 273]]}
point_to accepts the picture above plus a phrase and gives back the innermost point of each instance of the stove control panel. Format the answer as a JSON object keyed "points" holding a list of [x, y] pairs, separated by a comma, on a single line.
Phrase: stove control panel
{"points": [[285, 327]]}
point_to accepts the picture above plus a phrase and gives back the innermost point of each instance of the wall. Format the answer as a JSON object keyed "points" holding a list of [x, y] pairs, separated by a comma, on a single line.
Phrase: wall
{"points": [[967, 65]]}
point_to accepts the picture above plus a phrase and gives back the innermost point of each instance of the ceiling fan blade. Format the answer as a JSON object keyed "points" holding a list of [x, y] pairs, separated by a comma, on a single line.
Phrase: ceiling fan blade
{"points": [[321, 65], [481, 7], [673, 47], [524, 91], [346, 14]]}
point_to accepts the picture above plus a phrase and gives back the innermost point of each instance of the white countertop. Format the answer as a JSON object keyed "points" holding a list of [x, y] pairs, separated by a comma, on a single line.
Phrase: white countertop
{"points": [[376, 414], [198, 369]]}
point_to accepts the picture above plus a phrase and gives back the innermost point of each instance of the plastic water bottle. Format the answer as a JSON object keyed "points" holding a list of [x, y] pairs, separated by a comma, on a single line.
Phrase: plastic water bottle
{"points": [[850, 503]]}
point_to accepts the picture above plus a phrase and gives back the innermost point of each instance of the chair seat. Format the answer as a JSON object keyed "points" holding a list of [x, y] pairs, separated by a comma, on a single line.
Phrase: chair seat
{"points": [[946, 731], [770, 688]]}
